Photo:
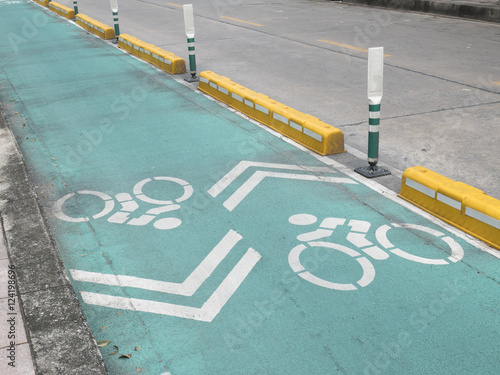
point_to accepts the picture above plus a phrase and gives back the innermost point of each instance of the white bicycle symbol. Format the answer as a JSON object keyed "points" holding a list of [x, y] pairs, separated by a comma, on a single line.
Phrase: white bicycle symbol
{"points": [[357, 237], [129, 205]]}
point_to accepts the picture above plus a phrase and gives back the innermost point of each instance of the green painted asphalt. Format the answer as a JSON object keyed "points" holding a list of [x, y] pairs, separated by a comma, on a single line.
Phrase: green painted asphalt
{"points": [[212, 246]]}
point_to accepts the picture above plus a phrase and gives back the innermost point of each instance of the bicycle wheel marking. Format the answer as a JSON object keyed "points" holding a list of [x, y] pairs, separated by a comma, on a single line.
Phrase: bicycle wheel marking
{"points": [[296, 265], [457, 253], [109, 204], [188, 190]]}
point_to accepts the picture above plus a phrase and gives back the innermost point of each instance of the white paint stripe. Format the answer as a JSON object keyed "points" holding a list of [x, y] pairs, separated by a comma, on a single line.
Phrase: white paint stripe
{"points": [[482, 217], [258, 176], [360, 225], [206, 313], [373, 128], [421, 188], [449, 201], [369, 271], [457, 252], [381, 236], [314, 135], [376, 253], [242, 166], [414, 258], [324, 283], [358, 239], [187, 288], [374, 115]]}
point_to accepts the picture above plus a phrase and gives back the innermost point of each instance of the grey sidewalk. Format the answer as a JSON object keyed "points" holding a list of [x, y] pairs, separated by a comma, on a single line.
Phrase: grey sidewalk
{"points": [[484, 10]]}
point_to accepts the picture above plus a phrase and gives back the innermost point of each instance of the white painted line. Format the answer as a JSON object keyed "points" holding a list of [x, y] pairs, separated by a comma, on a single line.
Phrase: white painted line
{"points": [[359, 225], [381, 236], [449, 201], [376, 253], [482, 217], [415, 258], [358, 239], [206, 313], [242, 166], [421, 188], [187, 288], [258, 176]]}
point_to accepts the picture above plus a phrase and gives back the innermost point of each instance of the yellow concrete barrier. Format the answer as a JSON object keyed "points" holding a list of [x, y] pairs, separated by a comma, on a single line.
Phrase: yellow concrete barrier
{"points": [[95, 27], [302, 128], [62, 10], [44, 3], [459, 204], [164, 60]]}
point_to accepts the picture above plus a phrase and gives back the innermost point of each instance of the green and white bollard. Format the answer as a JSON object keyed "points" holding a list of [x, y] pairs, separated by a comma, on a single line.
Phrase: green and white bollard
{"points": [[189, 25], [114, 9], [373, 132], [75, 6], [375, 93]]}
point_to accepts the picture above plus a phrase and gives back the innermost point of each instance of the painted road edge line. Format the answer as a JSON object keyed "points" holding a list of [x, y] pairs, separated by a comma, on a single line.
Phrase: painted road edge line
{"points": [[459, 204], [305, 129]]}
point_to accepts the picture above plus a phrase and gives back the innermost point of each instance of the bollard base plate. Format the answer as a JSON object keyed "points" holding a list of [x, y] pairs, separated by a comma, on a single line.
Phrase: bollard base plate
{"points": [[372, 171], [192, 79]]}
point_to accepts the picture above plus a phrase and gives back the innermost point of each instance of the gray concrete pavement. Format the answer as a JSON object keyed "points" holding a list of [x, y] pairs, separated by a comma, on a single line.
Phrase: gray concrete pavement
{"points": [[441, 109]]}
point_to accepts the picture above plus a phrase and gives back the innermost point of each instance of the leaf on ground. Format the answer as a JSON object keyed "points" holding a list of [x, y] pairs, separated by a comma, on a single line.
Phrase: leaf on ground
{"points": [[125, 356], [137, 348], [102, 343], [117, 350]]}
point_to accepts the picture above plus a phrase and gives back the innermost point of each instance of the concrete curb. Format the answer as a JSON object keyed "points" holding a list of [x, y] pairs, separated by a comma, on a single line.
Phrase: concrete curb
{"points": [[465, 9], [60, 338]]}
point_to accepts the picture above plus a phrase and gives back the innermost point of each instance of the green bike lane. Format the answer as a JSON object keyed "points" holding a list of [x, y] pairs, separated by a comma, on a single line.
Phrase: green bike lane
{"points": [[212, 246]]}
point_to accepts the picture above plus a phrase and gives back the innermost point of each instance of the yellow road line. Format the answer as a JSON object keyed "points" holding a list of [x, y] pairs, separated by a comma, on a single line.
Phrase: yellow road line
{"points": [[175, 5], [347, 46], [496, 83], [247, 22]]}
